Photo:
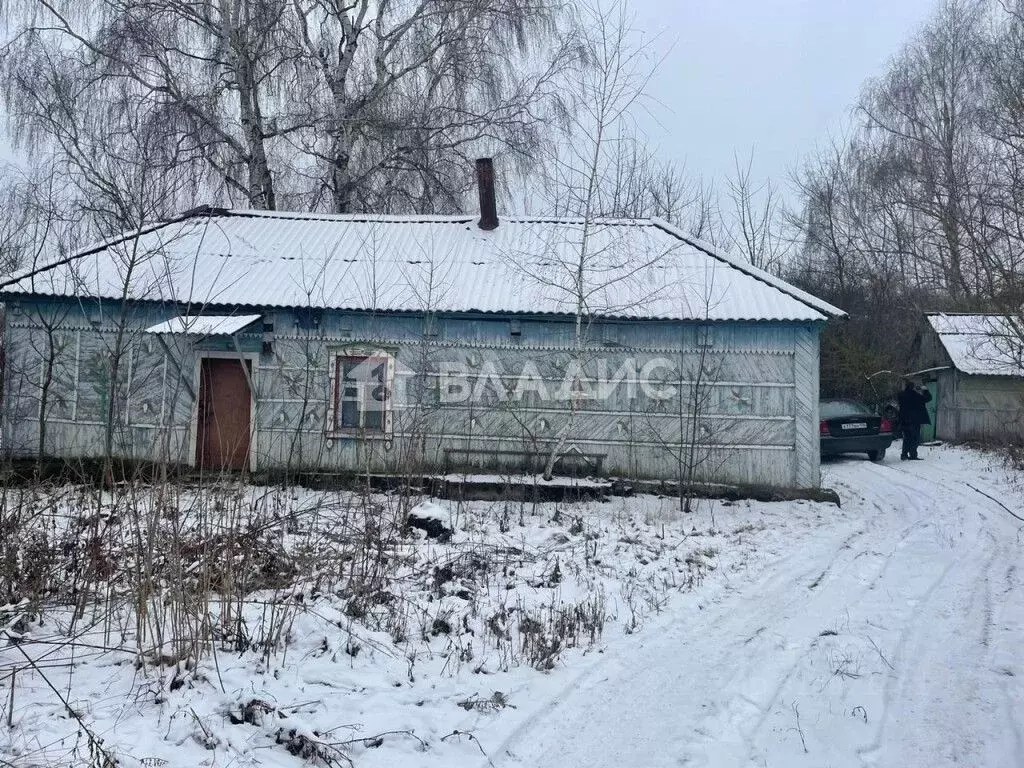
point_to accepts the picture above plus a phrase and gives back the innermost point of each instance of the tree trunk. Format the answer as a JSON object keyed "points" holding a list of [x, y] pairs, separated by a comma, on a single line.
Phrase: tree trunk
{"points": [[260, 179]]}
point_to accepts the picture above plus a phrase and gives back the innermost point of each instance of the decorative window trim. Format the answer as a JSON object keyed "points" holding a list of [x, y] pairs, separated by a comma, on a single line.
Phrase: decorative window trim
{"points": [[368, 359]]}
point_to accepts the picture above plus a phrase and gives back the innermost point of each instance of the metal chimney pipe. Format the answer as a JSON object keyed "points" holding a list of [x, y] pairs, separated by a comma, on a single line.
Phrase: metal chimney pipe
{"points": [[485, 186]]}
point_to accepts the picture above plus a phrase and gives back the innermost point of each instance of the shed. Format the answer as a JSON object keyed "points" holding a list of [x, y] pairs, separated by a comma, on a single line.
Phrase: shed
{"points": [[231, 339], [975, 369]]}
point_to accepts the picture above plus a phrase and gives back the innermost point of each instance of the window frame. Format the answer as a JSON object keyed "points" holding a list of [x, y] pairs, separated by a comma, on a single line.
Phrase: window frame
{"points": [[343, 358]]}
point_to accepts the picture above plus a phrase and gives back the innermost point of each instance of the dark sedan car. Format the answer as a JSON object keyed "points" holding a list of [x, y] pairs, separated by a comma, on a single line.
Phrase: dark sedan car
{"points": [[849, 427]]}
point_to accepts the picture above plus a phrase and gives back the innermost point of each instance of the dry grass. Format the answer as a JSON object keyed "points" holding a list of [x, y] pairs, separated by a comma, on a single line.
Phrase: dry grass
{"points": [[176, 574]]}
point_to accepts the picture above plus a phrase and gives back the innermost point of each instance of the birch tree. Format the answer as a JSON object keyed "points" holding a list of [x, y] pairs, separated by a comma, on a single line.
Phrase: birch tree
{"points": [[1003, 221], [403, 92], [208, 67], [915, 209], [324, 104], [926, 116]]}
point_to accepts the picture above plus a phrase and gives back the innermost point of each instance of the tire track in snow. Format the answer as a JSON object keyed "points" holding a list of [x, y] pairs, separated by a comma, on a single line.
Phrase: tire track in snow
{"points": [[924, 649], [715, 687], [1008, 660], [1005, 625], [960, 576], [781, 596], [907, 663], [773, 577], [883, 562], [569, 743]]}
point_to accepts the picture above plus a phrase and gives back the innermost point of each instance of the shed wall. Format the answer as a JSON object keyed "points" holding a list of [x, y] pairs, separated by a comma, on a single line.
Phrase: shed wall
{"points": [[744, 408], [946, 420], [988, 409]]}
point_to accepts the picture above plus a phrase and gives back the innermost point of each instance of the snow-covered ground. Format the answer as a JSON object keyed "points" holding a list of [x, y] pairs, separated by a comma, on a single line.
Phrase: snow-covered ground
{"points": [[891, 634], [887, 632]]}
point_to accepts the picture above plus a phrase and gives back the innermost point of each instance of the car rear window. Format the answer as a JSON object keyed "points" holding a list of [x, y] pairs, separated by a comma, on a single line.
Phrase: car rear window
{"points": [[832, 409]]}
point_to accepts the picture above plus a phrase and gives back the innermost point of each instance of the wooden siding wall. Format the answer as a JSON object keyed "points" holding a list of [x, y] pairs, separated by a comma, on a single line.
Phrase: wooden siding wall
{"points": [[929, 352], [757, 422], [987, 409]]}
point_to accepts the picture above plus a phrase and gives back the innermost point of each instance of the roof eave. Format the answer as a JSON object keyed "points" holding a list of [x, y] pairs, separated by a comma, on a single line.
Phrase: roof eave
{"points": [[7, 295]]}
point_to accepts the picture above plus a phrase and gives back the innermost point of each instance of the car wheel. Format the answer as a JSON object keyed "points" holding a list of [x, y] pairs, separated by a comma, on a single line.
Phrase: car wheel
{"points": [[877, 455]]}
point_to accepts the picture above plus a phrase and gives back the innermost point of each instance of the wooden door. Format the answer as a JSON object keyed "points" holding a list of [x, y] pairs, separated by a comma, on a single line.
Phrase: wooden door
{"points": [[928, 430], [225, 402]]}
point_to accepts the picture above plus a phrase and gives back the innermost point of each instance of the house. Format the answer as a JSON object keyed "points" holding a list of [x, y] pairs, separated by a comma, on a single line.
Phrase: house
{"points": [[974, 367], [352, 343]]}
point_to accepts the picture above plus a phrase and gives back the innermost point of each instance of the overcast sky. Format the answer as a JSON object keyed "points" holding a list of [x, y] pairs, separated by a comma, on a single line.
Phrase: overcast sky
{"points": [[777, 76]]}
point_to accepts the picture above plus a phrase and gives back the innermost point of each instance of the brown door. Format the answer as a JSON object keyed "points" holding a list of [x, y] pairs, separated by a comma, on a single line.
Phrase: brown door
{"points": [[224, 405]]}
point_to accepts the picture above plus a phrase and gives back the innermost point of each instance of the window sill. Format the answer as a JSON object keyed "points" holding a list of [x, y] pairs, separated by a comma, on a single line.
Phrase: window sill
{"points": [[357, 434]]}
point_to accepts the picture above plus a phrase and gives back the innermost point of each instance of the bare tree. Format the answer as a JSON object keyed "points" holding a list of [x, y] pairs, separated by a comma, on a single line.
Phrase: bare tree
{"points": [[703, 220], [595, 269], [918, 208], [35, 227], [321, 103], [403, 91], [756, 218], [206, 67], [1002, 221], [925, 119], [34, 220]]}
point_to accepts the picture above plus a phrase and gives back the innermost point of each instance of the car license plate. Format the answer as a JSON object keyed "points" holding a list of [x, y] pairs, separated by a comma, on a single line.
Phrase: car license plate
{"points": [[855, 425]]}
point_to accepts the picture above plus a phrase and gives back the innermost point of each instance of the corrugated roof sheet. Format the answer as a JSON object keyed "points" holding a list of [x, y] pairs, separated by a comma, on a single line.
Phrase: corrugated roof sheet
{"points": [[635, 268], [984, 345]]}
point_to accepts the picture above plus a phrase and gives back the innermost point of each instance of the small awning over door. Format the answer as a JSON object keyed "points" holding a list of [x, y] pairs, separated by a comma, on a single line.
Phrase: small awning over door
{"points": [[205, 325]]}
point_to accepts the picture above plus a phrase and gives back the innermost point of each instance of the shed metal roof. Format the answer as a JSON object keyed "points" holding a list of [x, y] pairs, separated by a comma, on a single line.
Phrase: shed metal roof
{"points": [[981, 345], [642, 268]]}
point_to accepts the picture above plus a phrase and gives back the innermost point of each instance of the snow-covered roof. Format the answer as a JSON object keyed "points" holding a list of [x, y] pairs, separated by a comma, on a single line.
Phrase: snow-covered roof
{"points": [[635, 268], [205, 325], [984, 345]]}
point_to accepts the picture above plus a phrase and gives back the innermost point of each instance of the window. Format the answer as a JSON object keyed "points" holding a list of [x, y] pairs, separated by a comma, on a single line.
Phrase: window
{"points": [[834, 409], [308, 319], [362, 397]]}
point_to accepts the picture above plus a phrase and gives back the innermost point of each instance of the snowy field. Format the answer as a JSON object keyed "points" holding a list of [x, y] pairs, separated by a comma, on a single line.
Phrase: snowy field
{"points": [[887, 632]]}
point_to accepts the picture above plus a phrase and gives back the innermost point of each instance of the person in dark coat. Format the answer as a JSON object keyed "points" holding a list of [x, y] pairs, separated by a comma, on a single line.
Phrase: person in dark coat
{"points": [[913, 414]]}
